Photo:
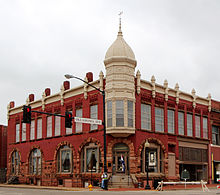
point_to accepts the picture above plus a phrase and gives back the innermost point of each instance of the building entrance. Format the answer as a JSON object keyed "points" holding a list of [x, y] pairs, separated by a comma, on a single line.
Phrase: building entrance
{"points": [[120, 159]]}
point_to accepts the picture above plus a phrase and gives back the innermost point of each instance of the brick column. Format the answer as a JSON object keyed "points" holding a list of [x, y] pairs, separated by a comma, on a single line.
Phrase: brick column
{"points": [[138, 112], [194, 124], [153, 114], [165, 118], [185, 120], [201, 123], [176, 120], [73, 114], [62, 121]]}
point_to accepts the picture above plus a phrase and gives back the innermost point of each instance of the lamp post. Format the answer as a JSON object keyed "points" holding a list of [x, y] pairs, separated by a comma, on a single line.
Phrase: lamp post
{"points": [[146, 145], [68, 76]]}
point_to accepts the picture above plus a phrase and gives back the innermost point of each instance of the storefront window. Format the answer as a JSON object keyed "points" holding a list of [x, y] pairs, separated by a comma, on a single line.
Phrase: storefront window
{"points": [[90, 158], [64, 160], [35, 162], [15, 162], [153, 155]]}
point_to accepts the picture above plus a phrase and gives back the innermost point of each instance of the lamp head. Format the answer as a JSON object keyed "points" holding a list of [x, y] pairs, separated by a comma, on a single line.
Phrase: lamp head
{"points": [[147, 144]]}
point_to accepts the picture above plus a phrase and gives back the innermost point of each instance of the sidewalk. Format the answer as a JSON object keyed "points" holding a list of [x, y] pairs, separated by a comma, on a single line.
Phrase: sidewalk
{"points": [[165, 187]]}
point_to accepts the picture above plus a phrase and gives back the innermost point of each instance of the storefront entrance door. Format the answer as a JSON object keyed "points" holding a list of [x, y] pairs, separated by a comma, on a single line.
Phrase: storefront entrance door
{"points": [[120, 159]]}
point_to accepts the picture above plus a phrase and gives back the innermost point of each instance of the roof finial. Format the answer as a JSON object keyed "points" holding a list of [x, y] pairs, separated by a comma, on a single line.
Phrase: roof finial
{"points": [[120, 32]]}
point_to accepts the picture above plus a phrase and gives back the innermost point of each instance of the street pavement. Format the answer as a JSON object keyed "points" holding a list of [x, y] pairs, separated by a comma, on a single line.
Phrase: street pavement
{"points": [[84, 191]]}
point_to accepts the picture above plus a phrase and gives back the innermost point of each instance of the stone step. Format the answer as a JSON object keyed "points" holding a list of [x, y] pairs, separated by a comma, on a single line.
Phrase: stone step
{"points": [[121, 181]]}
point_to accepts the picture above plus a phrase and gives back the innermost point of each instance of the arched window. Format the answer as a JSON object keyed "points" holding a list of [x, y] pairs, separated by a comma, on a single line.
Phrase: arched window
{"points": [[35, 162], [64, 160], [153, 155], [15, 162], [90, 158]]}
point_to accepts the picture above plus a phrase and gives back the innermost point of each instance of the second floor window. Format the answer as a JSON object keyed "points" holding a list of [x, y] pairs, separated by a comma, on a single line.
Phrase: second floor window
{"points": [[78, 125], [197, 120], [215, 135], [159, 119], [32, 128], [130, 113], [109, 114], [119, 113], [17, 132], [23, 132], [94, 115], [180, 123], [189, 125], [39, 128], [170, 114], [49, 126], [205, 128], [145, 116], [57, 125]]}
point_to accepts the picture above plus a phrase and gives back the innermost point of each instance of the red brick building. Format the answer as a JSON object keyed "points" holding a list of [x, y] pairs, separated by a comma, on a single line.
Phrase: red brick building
{"points": [[215, 146], [3, 153], [146, 123]]}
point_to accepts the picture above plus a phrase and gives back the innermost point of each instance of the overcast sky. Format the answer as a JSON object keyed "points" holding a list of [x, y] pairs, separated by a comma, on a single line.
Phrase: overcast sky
{"points": [[41, 40]]}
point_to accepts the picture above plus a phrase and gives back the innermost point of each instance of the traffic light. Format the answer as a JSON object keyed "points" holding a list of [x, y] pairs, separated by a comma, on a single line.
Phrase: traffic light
{"points": [[26, 114], [68, 119]]}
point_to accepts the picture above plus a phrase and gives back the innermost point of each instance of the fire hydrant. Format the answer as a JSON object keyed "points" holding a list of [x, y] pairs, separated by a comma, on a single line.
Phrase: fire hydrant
{"points": [[90, 187]]}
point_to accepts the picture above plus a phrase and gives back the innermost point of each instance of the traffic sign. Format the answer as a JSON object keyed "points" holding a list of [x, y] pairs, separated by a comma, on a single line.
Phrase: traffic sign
{"points": [[88, 120]]}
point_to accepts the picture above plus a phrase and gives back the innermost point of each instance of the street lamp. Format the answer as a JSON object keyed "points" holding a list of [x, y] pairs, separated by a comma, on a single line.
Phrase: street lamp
{"points": [[68, 76], [146, 145]]}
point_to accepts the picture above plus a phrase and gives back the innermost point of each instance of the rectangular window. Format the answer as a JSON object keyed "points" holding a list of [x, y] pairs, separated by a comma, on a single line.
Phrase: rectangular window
{"points": [[109, 114], [57, 125], [130, 113], [78, 125], [93, 115], [197, 120], [181, 123], [146, 116], [39, 128], [170, 114], [189, 125], [205, 128], [119, 113], [159, 119], [49, 126], [32, 134], [18, 132], [69, 130], [23, 131], [215, 135]]}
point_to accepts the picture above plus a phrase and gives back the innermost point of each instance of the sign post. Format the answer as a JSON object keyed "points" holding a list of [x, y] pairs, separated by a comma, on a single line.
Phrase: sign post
{"points": [[185, 175]]}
